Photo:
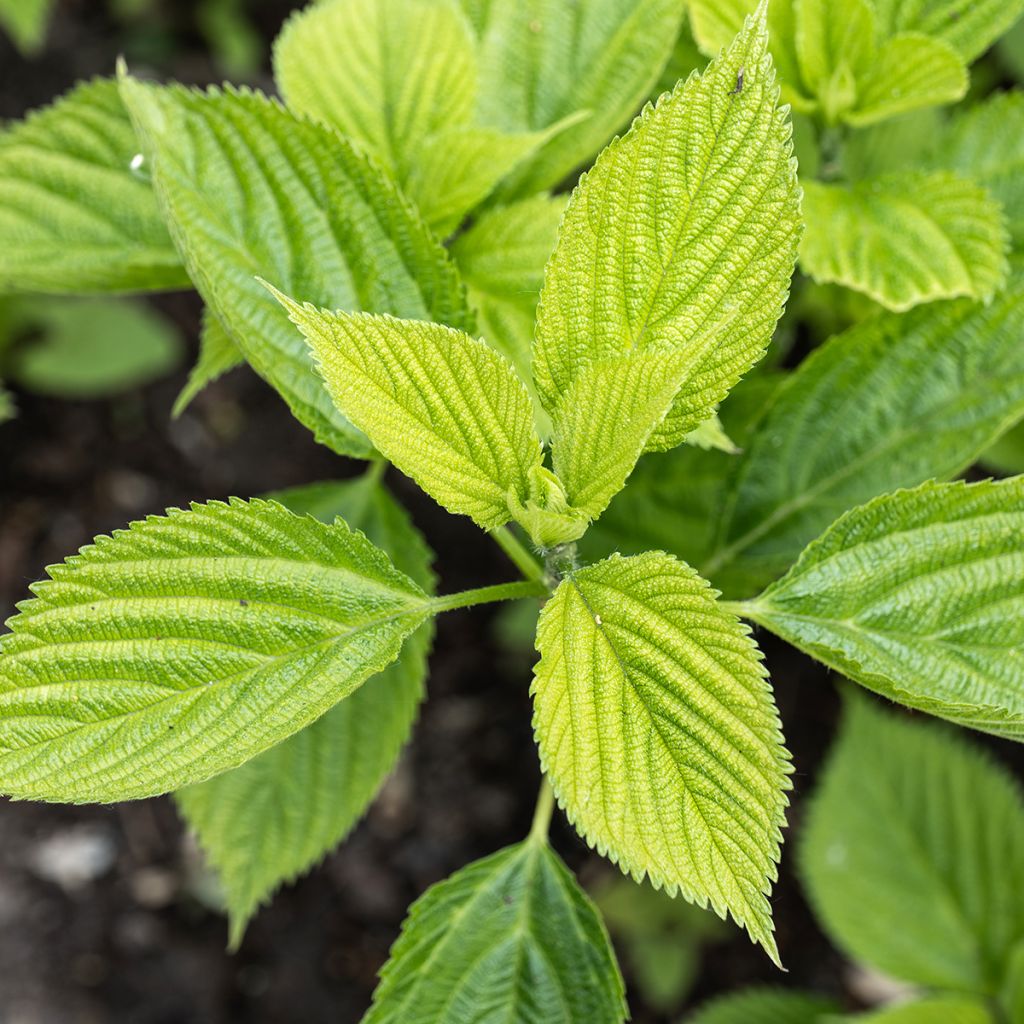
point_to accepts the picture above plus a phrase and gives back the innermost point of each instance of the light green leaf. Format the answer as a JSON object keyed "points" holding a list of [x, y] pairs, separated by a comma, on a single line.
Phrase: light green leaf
{"points": [[657, 727], [542, 61], [913, 825], [445, 408], [510, 938], [217, 355], [919, 596], [937, 1010], [90, 348], [763, 1006], [187, 644], [969, 27], [904, 239], [711, 436], [74, 216], [835, 43], [25, 22], [908, 72], [501, 257], [932, 389], [308, 214], [681, 239], [271, 819]]}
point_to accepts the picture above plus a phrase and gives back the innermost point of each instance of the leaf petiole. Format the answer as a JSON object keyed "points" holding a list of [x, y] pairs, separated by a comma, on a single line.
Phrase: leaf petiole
{"points": [[488, 595]]}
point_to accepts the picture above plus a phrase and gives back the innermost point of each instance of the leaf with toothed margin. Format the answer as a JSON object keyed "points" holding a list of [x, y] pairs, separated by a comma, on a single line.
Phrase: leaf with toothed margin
{"points": [[307, 213], [272, 818], [656, 725], [187, 644], [217, 355]]}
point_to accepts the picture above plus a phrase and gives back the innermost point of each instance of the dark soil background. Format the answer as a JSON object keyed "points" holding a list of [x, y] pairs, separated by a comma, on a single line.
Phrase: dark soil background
{"points": [[106, 913]]}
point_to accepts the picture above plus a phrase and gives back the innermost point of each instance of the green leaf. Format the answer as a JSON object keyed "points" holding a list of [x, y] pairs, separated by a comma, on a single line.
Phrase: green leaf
{"points": [[656, 724], [835, 44], [937, 1010], [501, 257], [74, 216], [25, 21], [307, 213], [187, 644], [542, 61], [904, 239], [763, 1006], [217, 355], [1012, 995], [445, 408], [911, 823], [511, 938], [919, 596], [932, 389], [1006, 456], [271, 819], [711, 436], [7, 407], [90, 348], [681, 239], [970, 28]]}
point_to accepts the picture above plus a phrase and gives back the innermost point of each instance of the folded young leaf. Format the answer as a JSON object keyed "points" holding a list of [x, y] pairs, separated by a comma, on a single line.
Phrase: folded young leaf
{"points": [[919, 596], [934, 1010], [25, 22], [971, 28], [932, 389], [904, 239], [764, 1006], [682, 238], [510, 937], [187, 644], [656, 725], [835, 44], [306, 212], [542, 61], [501, 257], [909, 72], [74, 215], [217, 355], [910, 819], [272, 818], [445, 408]]}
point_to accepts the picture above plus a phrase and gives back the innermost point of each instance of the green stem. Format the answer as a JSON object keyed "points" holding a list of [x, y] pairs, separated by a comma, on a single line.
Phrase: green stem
{"points": [[741, 609], [376, 469], [543, 812], [525, 562], [488, 595]]}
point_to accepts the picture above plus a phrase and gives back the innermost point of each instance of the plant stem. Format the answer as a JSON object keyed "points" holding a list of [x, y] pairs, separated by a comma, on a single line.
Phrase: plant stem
{"points": [[543, 812], [376, 469], [488, 595], [523, 560]]}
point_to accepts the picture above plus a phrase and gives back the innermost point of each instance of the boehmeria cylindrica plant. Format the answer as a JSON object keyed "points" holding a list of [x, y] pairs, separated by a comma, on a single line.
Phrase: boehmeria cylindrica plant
{"points": [[234, 653]]}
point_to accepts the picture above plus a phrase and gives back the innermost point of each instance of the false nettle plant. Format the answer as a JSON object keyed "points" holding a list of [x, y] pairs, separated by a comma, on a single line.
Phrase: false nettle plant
{"points": [[264, 659]]}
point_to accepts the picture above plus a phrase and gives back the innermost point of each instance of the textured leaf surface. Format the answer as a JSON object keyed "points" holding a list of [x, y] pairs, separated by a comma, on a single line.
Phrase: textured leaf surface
{"points": [[307, 213], [542, 61], [912, 824], [73, 216], [501, 257], [681, 238], [904, 239], [763, 1006], [890, 403], [657, 727], [510, 938], [969, 27], [187, 644], [445, 408], [918, 595], [217, 355], [272, 818]]}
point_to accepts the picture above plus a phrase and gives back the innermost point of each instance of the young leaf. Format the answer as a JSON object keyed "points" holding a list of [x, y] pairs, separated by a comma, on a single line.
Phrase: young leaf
{"points": [[919, 596], [217, 355], [510, 937], [307, 213], [911, 820], [970, 28], [936, 1010], [74, 216], [932, 389], [25, 22], [763, 1006], [501, 257], [682, 238], [542, 61], [656, 725], [445, 408], [272, 818], [187, 644], [904, 239]]}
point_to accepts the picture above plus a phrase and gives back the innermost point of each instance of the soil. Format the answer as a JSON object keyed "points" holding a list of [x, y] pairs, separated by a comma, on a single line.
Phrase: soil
{"points": [[106, 913]]}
